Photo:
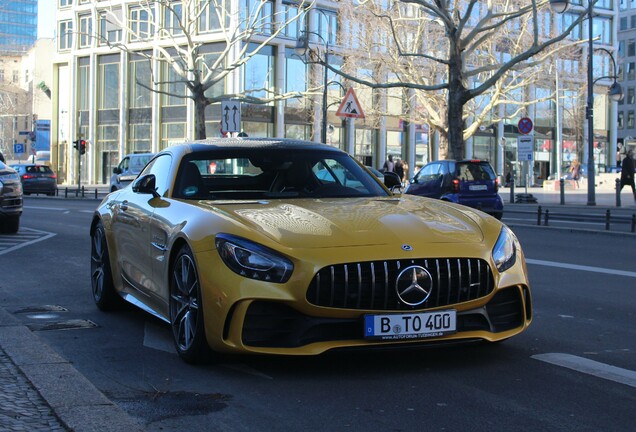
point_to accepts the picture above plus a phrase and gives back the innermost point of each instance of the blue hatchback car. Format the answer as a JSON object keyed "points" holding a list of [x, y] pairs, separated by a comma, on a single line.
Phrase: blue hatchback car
{"points": [[469, 182]]}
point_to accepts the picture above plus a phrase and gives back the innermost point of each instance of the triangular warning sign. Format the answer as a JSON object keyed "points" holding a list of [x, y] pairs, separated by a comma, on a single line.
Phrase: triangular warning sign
{"points": [[350, 107]]}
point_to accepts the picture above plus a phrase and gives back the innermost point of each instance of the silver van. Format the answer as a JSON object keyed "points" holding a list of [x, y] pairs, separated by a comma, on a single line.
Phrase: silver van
{"points": [[128, 170]]}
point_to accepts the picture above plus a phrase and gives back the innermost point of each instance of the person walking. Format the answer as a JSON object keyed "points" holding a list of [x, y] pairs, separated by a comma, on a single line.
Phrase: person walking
{"points": [[389, 166], [399, 169], [627, 172]]}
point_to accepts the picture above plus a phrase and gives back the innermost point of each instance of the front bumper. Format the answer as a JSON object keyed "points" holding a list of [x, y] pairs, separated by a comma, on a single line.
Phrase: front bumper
{"points": [[285, 319]]}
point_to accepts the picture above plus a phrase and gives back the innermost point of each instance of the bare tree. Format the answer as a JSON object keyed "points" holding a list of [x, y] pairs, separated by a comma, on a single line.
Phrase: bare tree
{"points": [[170, 33], [454, 58]]}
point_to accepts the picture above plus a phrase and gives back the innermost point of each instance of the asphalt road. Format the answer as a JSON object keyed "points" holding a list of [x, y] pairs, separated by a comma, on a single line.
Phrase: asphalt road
{"points": [[573, 370]]}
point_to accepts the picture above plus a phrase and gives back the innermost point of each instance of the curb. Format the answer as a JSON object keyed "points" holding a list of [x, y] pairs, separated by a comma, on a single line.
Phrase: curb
{"points": [[76, 402]]}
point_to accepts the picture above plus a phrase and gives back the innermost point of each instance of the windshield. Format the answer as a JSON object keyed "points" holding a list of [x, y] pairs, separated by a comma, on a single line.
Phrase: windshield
{"points": [[274, 173]]}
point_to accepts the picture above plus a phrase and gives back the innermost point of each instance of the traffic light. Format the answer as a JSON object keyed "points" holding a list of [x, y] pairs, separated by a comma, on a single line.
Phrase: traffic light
{"points": [[80, 145]]}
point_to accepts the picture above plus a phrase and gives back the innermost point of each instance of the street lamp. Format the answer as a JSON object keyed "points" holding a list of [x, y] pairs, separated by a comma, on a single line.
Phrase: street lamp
{"points": [[302, 45], [615, 93]]}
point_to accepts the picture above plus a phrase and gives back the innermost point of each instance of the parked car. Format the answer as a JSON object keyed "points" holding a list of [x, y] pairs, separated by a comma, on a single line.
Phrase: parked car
{"points": [[37, 179], [128, 169], [468, 182], [259, 255], [10, 199]]}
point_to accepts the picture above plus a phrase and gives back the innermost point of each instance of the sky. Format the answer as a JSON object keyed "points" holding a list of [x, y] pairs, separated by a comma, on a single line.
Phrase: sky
{"points": [[46, 18]]}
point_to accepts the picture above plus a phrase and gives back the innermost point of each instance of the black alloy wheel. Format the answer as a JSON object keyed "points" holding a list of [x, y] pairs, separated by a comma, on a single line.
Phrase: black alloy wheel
{"points": [[104, 294], [186, 314]]}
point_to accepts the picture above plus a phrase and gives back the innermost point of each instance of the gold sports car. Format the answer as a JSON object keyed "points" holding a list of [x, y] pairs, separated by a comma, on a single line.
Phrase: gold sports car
{"points": [[290, 247]]}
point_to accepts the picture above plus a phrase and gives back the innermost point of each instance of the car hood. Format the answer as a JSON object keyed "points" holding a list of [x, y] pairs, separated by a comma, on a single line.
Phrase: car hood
{"points": [[327, 223]]}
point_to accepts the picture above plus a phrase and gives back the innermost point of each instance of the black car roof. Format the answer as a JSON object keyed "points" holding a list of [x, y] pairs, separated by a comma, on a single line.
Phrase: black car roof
{"points": [[259, 143]]}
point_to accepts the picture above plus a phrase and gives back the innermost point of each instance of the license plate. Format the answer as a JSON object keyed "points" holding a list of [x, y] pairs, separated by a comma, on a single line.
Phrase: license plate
{"points": [[477, 187], [410, 325]]}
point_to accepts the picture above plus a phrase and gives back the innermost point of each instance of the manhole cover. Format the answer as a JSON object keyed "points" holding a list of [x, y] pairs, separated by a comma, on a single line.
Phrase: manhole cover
{"points": [[63, 325]]}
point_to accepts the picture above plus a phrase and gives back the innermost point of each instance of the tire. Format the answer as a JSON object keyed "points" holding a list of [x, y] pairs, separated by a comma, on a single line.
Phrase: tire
{"points": [[103, 288], [186, 313], [11, 225]]}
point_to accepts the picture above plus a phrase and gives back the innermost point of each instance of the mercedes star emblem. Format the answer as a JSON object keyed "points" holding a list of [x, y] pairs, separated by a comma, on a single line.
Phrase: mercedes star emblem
{"points": [[414, 285]]}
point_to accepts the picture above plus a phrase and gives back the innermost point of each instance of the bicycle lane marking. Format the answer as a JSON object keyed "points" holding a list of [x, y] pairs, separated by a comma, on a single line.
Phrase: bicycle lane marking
{"points": [[593, 269], [24, 237]]}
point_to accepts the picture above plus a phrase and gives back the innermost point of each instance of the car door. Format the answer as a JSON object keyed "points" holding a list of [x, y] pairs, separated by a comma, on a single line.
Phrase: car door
{"points": [[131, 227], [427, 182]]}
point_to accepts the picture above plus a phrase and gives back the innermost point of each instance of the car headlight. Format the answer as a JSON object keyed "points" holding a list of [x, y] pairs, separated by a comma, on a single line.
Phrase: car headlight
{"points": [[253, 260], [505, 251]]}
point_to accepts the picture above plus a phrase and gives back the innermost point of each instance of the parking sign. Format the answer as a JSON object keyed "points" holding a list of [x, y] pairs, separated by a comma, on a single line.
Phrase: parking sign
{"points": [[525, 148], [18, 148]]}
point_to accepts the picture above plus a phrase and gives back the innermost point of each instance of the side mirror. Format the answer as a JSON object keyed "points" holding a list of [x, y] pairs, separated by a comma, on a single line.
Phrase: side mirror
{"points": [[116, 170], [391, 180], [146, 184]]}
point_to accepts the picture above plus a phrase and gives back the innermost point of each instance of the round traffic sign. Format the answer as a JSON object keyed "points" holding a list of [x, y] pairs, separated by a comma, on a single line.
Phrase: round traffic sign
{"points": [[525, 125]]}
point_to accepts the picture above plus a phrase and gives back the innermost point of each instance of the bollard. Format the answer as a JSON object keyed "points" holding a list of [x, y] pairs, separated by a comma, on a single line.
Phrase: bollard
{"points": [[618, 192], [82, 191], [95, 193], [633, 222], [547, 216], [607, 220], [76, 192], [512, 190], [539, 216], [65, 192], [562, 190]]}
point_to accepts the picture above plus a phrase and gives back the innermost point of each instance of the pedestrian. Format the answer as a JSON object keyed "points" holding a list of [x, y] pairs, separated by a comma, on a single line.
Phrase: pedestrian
{"points": [[399, 169], [389, 166], [619, 155], [627, 172], [575, 171], [405, 167]]}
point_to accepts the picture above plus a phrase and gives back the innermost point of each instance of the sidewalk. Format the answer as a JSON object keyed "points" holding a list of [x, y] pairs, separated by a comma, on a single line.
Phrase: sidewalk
{"points": [[605, 198], [41, 391]]}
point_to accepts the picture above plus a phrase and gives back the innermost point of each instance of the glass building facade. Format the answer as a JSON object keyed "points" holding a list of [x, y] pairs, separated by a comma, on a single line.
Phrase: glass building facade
{"points": [[18, 25], [104, 96]]}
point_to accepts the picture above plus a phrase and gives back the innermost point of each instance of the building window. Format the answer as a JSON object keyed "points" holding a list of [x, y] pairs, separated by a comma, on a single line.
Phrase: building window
{"points": [[328, 26], [295, 79], [258, 15], [631, 99], [173, 18], [631, 48], [108, 91], [208, 18], [632, 21], [109, 30], [141, 26], [83, 85], [258, 76], [1, 75], [16, 77], [631, 71], [295, 28], [630, 119], [64, 3], [621, 120], [623, 23], [85, 31], [65, 35], [602, 27]]}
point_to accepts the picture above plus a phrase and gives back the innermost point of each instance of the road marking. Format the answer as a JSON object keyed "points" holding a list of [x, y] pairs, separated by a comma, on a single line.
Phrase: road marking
{"points": [[590, 367], [44, 208], [593, 269], [24, 237]]}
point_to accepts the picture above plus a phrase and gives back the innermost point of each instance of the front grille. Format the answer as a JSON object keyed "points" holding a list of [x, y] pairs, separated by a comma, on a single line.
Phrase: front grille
{"points": [[371, 285]]}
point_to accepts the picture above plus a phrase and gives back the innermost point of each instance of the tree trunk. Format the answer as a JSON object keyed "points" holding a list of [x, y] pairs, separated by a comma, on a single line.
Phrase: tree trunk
{"points": [[456, 101], [200, 103]]}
